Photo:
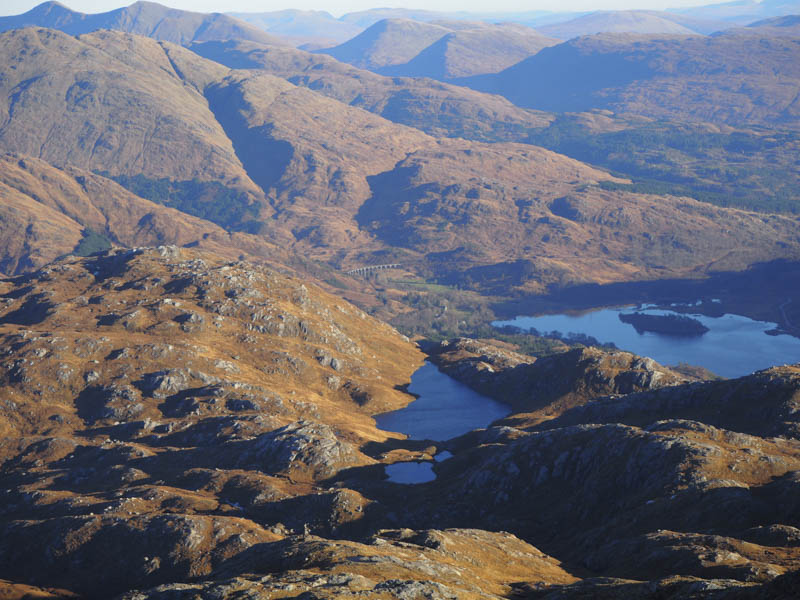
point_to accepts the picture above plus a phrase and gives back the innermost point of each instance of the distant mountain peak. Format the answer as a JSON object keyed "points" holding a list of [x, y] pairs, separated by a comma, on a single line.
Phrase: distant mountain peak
{"points": [[47, 7]]}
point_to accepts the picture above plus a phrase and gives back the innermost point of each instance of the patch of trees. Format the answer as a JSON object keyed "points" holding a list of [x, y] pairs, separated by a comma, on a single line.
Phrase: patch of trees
{"points": [[90, 243], [744, 170], [667, 324], [210, 200]]}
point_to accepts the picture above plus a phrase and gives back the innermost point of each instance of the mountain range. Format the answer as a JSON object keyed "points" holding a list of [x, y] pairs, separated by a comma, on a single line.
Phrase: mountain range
{"points": [[440, 50], [365, 186], [142, 18], [299, 25], [632, 21], [303, 27]]}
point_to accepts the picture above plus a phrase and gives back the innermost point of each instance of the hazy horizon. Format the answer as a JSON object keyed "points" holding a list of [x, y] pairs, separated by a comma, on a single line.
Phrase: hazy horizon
{"points": [[15, 7]]}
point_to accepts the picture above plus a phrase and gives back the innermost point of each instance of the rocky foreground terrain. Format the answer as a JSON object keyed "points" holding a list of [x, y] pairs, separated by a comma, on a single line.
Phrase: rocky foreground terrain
{"points": [[175, 425]]}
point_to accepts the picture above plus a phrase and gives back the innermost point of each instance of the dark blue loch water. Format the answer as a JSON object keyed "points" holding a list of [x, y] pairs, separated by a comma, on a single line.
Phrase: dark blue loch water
{"points": [[733, 346], [410, 472], [445, 408]]}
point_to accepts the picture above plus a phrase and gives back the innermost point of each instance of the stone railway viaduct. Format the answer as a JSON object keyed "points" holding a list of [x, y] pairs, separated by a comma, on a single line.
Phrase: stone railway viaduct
{"points": [[365, 270]]}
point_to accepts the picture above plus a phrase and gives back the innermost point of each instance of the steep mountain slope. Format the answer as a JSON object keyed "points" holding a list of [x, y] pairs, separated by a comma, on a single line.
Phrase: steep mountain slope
{"points": [[142, 18], [473, 49], [343, 185], [387, 42], [115, 103], [741, 168], [370, 184], [733, 79], [317, 182]]}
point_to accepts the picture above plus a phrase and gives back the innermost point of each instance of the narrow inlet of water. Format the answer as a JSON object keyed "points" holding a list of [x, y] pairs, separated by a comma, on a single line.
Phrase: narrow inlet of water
{"points": [[445, 408]]}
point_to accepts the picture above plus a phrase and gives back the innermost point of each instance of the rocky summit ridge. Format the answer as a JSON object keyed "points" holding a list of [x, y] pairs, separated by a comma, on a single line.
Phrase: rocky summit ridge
{"points": [[177, 425]]}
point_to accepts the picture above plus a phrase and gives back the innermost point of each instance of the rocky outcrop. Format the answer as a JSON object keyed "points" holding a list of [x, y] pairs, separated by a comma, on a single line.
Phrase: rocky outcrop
{"points": [[765, 404], [138, 451], [543, 388], [449, 564], [613, 497]]}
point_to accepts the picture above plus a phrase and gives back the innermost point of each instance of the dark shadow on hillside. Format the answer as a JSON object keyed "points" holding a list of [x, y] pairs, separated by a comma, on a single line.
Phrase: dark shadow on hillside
{"points": [[566, 79], [33, 311], [225, 53], [264, 158], [388, 190], [758, 291]]}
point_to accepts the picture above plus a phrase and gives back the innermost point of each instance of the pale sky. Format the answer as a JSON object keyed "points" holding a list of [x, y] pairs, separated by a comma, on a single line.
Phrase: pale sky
{"points": [[13, 7]]}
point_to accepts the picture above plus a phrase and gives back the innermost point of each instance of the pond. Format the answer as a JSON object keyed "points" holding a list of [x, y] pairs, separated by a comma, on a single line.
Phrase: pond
{"points": [[733, 346], [444, 409], [415, 472]]}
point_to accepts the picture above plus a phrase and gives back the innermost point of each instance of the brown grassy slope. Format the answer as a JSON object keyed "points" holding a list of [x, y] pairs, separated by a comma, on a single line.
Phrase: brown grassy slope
{"points": [[311, 153], [45, 209], [494, 203], [436, 108], [113, 102], [474, 51], [188, 312], [32, 234], [677, 497], [499, 201], [454, 563], [345, 183], [19, 591], [765, 403], [168, 416], [731, 79]]}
